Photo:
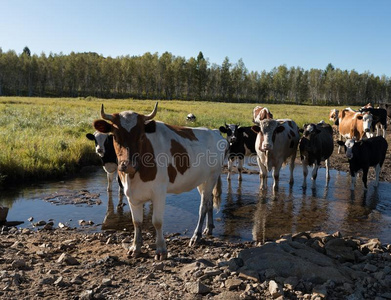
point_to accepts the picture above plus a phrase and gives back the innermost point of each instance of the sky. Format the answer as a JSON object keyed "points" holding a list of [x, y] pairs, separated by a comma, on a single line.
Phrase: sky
{"points": [[349, 34]]}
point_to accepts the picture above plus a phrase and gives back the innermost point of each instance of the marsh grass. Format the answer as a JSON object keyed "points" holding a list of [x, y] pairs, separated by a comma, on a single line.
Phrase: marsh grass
{"points": [[42, 138]]}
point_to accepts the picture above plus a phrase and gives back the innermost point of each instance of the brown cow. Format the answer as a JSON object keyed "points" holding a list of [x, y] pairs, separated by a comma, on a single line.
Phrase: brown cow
{"points": [[260, 113], [353, 124]]}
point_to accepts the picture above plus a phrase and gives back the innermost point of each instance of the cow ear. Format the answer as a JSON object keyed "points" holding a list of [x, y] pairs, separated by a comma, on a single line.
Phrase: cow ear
{"points": [[223, 129], [102, 126], [359, 117], [90, 136], [255, 128], [341, 143], [280, 129]]}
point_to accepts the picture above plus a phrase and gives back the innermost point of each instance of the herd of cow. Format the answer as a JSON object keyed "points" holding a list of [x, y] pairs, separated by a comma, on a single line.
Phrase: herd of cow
{"points": [[153, 158]]}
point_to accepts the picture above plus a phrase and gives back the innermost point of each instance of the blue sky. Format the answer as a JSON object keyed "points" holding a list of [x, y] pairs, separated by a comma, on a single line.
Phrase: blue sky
{"points": [[350, 34]]}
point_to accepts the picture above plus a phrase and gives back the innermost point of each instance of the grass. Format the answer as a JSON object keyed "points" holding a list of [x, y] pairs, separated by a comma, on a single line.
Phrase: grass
{"points": [[44, 138]]}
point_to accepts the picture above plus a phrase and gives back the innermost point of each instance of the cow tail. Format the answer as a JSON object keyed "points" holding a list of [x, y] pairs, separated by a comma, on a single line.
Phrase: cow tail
{"points": [[217, 194]]}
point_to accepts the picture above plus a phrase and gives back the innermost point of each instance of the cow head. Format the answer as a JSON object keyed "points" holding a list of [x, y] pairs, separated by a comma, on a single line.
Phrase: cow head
{"points": [[306, 143], [232, 131], [261, 113], [367, 121], [130, 142], [100, 140], [268, 129], [333, 116], [349, 144]]}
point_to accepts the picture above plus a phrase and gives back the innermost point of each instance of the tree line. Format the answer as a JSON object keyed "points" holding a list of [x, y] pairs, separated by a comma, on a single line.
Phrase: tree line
{"points": [[166, 76]]}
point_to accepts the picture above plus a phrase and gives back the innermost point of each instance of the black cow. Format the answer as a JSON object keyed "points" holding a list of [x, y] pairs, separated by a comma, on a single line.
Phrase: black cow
{"points": [[364, 154], [316, 145], [241, 143], [104, 147], [379, 118]]}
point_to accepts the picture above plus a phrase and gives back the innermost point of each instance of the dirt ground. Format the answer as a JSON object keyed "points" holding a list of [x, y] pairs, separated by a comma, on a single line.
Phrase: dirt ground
{"points": [[65, 263]]}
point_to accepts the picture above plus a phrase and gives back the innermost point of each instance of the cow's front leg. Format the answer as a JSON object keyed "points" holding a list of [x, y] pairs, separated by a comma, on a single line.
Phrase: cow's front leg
{"points": [[353, 183], [240, 168], [159, 203], [276, 176], [110, 177], [327, 163], [262, 175], [137, 216], [377, 171], [365, 177], [230, 164]]}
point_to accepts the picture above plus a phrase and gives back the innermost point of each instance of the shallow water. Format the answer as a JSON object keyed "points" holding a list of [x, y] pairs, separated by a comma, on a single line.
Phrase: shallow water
{"points": [[245, 214]]}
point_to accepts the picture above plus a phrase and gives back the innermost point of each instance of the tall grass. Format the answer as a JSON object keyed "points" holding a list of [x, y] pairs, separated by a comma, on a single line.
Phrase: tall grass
{"points": [[43, 138]]}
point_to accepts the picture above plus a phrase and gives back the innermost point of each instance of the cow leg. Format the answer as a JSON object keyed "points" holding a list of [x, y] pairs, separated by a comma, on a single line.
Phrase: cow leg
{"points": [[291, 168], [305, 173], [230, 164], [159, 203], [276, 176], [353, 181], [137, 216], [240, 168], [110, 177], [262, 175], [315, 171], [327, 163], [377, 170], [205, 211], [365, 177]]}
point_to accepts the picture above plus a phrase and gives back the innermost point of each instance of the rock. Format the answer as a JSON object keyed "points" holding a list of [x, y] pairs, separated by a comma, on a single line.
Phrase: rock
{"points": [[67, 259], [274, 289], [60, 282], [339, 248], [233, 284], [294, 259], [370, 268], [86, 295], [40, 223], [18, 264], [197, 288]]}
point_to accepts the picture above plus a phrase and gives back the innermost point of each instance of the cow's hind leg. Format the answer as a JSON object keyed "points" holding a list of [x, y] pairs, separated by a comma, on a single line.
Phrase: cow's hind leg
{"points": [[205, 210], [291, 168], [230, 164], [159, 203], [137, 216], [305, 173]]}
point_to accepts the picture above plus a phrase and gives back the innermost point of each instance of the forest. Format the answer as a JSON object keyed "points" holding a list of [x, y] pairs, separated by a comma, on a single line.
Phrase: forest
{"points": [[166, 76]]}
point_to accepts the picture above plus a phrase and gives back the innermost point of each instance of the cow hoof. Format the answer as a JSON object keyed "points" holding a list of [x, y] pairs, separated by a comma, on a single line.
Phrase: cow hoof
{"points": [[161, 256], [133, 253], [208, 231], [194, 240]]}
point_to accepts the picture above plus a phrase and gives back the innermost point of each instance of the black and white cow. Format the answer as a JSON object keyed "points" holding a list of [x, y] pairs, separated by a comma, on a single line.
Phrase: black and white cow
{"points": [[379, 118], [105, 149], [364, 154], [241, 143], [316, 145]]}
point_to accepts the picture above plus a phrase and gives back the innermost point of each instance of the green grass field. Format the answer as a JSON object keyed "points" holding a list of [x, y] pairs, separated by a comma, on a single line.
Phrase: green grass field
{"points": [[42, 138]]}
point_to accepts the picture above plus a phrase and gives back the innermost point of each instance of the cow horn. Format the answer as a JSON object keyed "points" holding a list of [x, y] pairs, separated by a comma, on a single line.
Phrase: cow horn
{"points": [[152, 114], [104, 115]]}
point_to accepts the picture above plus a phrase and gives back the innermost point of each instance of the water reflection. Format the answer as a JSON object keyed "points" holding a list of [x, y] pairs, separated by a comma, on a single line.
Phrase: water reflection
{"points": [[246, 212]]}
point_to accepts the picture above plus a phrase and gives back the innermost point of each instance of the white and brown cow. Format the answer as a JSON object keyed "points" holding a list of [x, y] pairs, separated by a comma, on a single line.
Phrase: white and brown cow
{"points": [[316, 145], [155, 159], [364, 154], [276, 142], [260, 113], [353, 124]]}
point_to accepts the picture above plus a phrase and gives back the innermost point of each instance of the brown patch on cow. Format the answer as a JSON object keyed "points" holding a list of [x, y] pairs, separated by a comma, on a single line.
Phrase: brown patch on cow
{"points": [[147, 162], [292, 133], [181, 157], [171, 173], [184, 132]]}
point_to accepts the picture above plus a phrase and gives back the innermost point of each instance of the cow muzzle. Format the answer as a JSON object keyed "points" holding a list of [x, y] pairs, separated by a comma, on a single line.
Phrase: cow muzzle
{"points": [[128, 167], [266, 147]]}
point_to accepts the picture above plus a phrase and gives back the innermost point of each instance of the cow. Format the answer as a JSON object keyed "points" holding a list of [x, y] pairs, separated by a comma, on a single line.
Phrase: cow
{"points": [[155, 158], [364, 154], [379, 118], [190, 117], [104, 147], [353, 124], [276, 143], [260, 113], [316, 145], [241, 143]]}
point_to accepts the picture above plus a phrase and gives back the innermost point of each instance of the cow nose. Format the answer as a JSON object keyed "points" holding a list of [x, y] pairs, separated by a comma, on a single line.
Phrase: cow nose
{"points": [[123, 165], [100, 150], [267, 147]]}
